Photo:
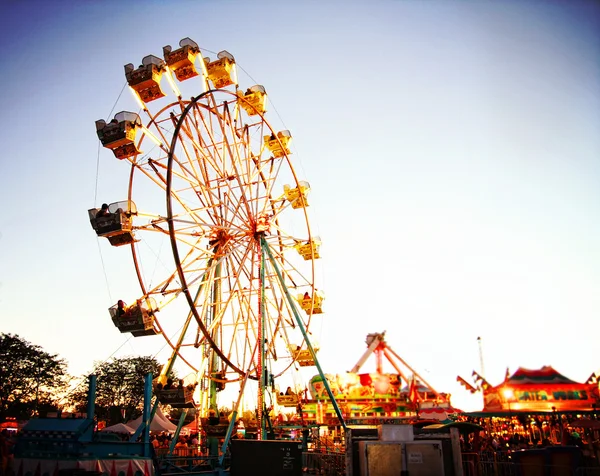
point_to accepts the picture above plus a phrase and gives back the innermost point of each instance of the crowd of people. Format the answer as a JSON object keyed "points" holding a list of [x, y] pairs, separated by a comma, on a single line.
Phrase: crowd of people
{"points": [[162, 442], [503, 435]]}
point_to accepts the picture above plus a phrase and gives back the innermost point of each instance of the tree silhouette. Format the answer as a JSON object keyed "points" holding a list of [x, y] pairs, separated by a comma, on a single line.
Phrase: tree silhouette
{"points": [[119, 388], [30, 378]]}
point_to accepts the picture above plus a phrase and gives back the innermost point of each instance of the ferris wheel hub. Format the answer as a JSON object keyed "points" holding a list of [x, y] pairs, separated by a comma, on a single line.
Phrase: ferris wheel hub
{"points": [[263, 224]]}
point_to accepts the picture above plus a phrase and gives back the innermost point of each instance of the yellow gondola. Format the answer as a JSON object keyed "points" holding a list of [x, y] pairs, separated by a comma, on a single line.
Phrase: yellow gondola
{"points": [[182, 60], [311, 304], [145, 80], [119, 134], [221, 71], [309, 249], [278, 143], [297, 196], [255, 100]]}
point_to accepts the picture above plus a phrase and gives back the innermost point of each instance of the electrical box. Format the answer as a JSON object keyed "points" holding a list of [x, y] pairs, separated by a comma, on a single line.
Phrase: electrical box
{"points": [[266, 458], [425, 458], [380, 458], [384, 458]]}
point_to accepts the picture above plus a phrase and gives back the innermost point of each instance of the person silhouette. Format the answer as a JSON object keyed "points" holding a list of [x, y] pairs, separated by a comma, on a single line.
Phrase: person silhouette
{"points": [[121, 308], [103, 212]]}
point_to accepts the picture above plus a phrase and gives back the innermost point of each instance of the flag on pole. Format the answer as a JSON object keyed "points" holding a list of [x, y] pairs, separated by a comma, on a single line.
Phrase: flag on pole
{"points": [[466, 384], [483, 383], [413, 392]]}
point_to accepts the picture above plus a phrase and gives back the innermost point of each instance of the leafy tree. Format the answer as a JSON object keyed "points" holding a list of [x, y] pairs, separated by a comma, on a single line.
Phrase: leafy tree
{"points": [[30, 378], [119, 388]]}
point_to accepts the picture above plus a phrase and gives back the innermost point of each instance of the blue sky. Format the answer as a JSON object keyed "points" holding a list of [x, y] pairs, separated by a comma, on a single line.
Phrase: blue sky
{"points": [[453, 150]]}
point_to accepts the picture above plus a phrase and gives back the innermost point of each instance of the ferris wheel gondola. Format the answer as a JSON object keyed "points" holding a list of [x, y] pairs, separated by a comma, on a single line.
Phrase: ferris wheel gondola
{"points": [[213, 178]]}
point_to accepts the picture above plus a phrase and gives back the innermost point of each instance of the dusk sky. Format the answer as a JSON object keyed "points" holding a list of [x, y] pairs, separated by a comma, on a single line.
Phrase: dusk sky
{"points": [[452, 147]]}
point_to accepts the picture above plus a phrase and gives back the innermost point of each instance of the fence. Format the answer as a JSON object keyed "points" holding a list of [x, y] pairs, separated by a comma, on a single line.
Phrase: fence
{"points": [[510, 464], [326, 464], [186, 460]]}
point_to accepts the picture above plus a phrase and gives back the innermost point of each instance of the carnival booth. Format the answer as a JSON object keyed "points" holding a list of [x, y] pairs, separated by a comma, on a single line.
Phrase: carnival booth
{"points": [[542, 390]]}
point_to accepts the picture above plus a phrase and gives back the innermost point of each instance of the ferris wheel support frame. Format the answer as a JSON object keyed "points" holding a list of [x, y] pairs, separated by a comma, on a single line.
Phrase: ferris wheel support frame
{"points": [[265, 247], [232, 421], [214, 361], [169, 365], [262, 372]]}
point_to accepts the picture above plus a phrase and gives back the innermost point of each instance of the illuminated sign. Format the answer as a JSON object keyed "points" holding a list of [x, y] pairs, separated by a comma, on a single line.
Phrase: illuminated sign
{"points": [[546, 395], [561, 397]]}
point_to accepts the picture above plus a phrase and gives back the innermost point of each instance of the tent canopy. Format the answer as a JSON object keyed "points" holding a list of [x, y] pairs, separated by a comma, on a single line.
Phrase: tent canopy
{"points": [[119, 428], [545, 375], [159, 423], [190, 428]]}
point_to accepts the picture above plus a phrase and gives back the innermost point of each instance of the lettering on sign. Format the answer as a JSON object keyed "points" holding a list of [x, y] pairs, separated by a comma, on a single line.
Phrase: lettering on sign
{"points": [[287, 460], [415, 458], [546, 395]]}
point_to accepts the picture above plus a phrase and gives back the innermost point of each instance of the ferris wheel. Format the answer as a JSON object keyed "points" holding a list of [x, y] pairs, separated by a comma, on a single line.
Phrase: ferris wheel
{"points": [[217, 221]]}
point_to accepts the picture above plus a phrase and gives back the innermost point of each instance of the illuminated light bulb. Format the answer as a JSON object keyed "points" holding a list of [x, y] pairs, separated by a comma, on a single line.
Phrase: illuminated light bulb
{"points": [[204, 73], [381, 384], [172, 83], [234, 74], [153, 138], [138, 99]]}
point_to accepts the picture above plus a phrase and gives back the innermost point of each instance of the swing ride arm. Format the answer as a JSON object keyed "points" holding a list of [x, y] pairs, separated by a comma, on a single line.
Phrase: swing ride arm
{"points": [[372, 347]]}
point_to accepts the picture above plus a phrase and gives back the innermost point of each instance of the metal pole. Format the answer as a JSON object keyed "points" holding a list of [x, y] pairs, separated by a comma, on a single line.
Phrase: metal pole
{"points": [[91, 403], [177, 430], [292, 304], [261, 339], [169, 366], [213, 441], [146, 414], [232, 421]]}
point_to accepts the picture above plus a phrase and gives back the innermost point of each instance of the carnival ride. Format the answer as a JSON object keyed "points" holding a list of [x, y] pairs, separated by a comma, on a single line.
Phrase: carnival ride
{"points": [[376, 397], [210, 179], [71, 446]]}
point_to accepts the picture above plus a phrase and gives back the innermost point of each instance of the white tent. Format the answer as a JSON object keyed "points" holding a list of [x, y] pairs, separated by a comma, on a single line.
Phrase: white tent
{"points": [[119, 428], [159, 423]]}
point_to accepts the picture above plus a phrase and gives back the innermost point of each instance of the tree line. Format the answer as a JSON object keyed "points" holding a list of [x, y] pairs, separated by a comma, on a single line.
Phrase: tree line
{"points": [[34, 382]]}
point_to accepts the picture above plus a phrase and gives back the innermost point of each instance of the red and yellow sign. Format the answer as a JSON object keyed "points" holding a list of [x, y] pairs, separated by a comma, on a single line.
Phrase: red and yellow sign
{"points": [[543, 397]]}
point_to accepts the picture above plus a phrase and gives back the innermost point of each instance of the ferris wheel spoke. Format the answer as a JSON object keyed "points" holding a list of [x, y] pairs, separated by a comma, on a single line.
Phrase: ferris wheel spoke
{"points": [[268, 177], [185, 328], [291, 271], [201, 172], [236, 271], [283, 240], [189, 126], [215, 204], [162, 184], [210, 142], [283, 321], [236, 155], [280, 206]]}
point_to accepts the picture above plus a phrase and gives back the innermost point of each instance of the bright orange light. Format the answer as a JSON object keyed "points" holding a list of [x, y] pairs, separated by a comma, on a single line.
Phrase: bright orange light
{"points": [[508, 393], [152, 137], [172, 83], [137, 98]]}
